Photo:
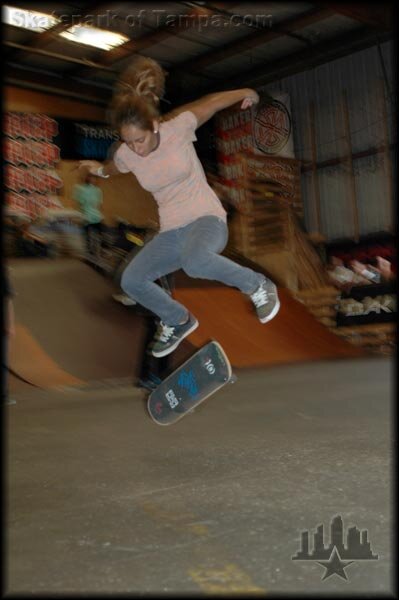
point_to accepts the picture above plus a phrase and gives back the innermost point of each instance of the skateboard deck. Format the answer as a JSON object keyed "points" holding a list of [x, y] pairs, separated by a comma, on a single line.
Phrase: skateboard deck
{"points": [[190, 384]]}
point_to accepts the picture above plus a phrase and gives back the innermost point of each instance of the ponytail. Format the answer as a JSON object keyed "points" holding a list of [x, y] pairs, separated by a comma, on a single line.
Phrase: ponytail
{"points": [[137, 94]]}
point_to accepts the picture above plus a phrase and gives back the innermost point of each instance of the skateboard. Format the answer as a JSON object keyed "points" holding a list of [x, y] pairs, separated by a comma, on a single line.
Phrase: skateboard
{"points": [[199, 377]]}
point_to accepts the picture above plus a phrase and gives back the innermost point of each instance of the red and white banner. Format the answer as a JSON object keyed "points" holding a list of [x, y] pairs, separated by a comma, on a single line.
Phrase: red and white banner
{"points": [[30, 153], [32, 180], [31, 205], [31, 157], [29, 126], [265, 129]]}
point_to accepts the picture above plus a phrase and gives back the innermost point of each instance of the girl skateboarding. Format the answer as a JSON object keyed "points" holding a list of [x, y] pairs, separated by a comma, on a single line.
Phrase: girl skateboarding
{"points": [[193, 230]]}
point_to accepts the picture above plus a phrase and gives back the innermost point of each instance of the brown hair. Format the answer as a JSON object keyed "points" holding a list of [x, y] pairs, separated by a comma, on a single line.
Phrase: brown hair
{"points": [[137, 94]]}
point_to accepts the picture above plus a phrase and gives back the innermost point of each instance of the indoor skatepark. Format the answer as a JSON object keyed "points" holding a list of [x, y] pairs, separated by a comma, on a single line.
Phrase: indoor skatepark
{"points": [[126, 120], [223, 493]]}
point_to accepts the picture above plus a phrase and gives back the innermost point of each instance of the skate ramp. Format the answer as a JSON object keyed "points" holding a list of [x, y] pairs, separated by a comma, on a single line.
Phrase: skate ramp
{"points": [[30, 363], [69, 329], [294, 335]]}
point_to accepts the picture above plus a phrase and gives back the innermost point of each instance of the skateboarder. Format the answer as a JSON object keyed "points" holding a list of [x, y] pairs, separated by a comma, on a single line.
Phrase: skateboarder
{"points": [[193, 230]]}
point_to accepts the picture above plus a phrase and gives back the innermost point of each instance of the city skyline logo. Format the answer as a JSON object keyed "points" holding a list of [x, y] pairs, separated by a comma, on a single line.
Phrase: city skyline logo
{"points": [[337, 556]]}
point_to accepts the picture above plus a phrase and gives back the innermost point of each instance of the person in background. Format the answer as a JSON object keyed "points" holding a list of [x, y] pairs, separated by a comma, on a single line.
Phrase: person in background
{"points": [[89, 198], [9, 330], [193, 229]]}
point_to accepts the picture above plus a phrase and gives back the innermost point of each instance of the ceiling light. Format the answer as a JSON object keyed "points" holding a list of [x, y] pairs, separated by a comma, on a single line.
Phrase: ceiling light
{"points": [[99, 38], [28, 19]]}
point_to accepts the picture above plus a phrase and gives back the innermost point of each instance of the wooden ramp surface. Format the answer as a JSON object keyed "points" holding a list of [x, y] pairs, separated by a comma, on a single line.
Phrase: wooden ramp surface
{"points": [[33, 365], [71, 331], [293, 335]]}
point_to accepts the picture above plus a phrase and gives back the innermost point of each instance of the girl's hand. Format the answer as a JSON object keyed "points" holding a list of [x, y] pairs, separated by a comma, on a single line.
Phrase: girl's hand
{"points": [[251, 99], [91, 165]]}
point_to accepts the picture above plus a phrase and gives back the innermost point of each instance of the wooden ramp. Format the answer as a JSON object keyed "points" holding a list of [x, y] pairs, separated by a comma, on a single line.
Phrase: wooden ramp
{"points": [[70, 331], [293, 335], [29, 362]]}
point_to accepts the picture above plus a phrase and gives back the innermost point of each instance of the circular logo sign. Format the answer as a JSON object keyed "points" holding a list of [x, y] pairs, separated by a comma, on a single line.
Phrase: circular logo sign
{"points": [[272, 127]]}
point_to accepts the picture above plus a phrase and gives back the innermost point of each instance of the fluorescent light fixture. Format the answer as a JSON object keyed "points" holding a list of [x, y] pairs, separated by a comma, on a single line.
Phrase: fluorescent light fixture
{"points": [[28, 19], [99, 38]]}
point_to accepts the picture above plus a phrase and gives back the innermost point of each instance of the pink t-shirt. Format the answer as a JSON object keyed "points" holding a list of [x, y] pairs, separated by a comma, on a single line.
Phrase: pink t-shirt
{"points": [[173, 174]]}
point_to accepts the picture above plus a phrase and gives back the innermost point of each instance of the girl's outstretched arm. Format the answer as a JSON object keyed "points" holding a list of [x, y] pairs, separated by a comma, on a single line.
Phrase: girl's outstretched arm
{"points": [[205, 108]]}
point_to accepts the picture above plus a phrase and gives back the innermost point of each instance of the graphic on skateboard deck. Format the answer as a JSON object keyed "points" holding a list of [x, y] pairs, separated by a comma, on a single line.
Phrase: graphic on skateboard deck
{"points": [[190, 384]]}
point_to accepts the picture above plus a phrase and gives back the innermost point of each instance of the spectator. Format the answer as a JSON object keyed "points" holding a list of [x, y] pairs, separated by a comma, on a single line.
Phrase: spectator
{"points": [[89, 197]]}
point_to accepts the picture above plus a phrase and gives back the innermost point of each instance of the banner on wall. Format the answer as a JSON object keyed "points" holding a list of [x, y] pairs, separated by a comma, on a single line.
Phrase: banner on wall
{"points": [[79, 140], [272, 126], [265, 129], [31, 179], [33, 144]]}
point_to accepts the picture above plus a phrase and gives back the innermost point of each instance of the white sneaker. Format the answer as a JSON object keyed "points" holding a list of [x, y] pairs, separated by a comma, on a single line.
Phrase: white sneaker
{"points": [[124, 299]]}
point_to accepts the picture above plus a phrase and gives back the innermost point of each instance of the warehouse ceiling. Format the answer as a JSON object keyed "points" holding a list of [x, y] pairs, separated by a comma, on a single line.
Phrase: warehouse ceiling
{"points": [[203, 46]]}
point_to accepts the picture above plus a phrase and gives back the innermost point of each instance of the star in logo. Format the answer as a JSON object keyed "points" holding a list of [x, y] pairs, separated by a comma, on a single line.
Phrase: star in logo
{"points": [[335, 565]]}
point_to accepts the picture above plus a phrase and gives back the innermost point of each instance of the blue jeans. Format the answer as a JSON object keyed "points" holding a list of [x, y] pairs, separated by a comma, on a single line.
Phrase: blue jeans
{"points": [[195, 248]]}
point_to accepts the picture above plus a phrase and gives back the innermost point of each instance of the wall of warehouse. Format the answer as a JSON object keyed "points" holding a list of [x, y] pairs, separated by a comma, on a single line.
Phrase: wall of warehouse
{"points": [[123, 196], [332, 193], [24, 100], [367, 77]]}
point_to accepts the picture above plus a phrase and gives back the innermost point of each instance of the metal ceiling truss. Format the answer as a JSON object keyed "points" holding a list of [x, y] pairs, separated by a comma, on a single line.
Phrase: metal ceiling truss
{"points": [[377, 21]]}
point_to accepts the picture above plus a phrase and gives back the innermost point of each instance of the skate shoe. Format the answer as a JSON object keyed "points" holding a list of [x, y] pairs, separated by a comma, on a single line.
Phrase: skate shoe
{"points": [[266, 301], [124, 299], [167, 338]]}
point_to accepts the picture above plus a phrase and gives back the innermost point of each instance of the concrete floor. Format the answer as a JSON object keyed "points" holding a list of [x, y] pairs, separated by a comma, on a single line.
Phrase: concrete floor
{"points": [[101, 499]]}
